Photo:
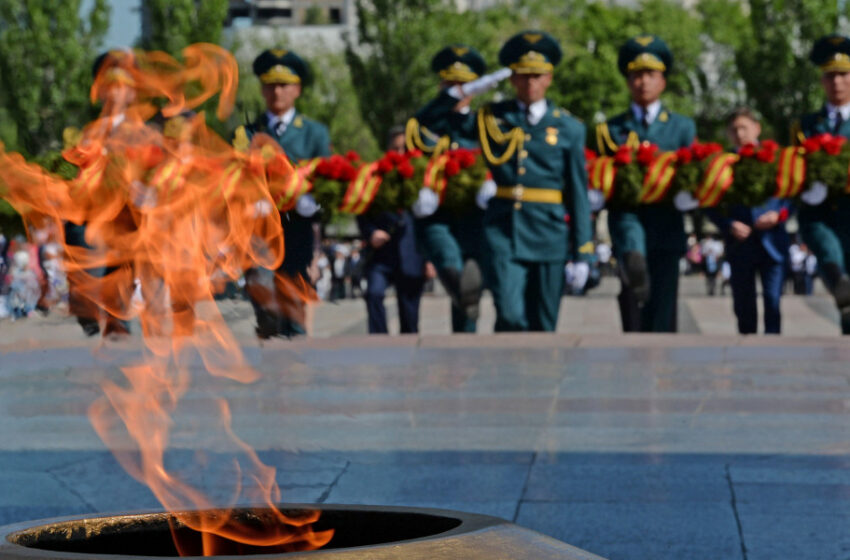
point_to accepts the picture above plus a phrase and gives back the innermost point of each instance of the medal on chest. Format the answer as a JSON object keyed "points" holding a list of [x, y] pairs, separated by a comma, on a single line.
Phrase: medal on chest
{"points": [[551, 135]]}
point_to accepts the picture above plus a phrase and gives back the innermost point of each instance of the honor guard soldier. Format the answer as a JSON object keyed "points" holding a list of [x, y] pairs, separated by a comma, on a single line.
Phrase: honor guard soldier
{"points": [[539, 216], [282, 74], [824, 224], [454, 244], [649, 240]]}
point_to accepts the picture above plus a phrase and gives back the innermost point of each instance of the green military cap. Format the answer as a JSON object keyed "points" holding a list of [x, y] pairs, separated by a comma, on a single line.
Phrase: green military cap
{"points": [[644, 52], [832, 53], [531, 52], [280, 66], [115, 64], [458, 63]]}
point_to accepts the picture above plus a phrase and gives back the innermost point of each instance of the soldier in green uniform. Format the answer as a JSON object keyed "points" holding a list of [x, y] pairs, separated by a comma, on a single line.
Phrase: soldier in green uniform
{"points": [[649, 240], [452, 243], [825, 223], [539, 217], [282, 74]]}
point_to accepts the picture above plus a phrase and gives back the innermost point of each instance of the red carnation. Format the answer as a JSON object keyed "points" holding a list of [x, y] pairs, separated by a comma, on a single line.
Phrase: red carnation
{"points": [[413, 154], [811, 145], [394, 157], [623, 155], [714, 148], [646, 153], [324, 168], [405, 169], [452, 168], [833, 145], [747, 150], [350, 173], [765, 155], [385, 165], [466, 158], [352, 156], [770, 145], [684, 156]]}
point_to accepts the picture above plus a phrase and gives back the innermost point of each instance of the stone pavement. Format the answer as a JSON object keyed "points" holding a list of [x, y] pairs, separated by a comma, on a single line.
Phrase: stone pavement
{"points": [[697, 446]]}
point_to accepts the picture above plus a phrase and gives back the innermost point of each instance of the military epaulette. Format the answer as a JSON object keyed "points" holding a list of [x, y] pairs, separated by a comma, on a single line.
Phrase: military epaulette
{"points": [[240, 139], [560, 112], [796, 135], [604, 143], [413, 133]]}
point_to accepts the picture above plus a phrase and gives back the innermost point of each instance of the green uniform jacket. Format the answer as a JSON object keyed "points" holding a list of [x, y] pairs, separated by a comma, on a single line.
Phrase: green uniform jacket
{"points": [[663, 224], [303, 139], [466, 231], [834, 214], [552, 157]]}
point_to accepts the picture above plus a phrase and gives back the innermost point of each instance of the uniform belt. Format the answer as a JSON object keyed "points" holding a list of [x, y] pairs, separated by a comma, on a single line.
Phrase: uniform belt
{"points": [[530, 194]]}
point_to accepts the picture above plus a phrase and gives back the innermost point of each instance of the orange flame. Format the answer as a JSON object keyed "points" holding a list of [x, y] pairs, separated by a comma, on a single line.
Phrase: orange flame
{"points": [[173, 209]]}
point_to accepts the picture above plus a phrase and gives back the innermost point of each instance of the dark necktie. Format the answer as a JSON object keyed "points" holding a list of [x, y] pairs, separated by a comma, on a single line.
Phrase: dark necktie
{"points": [[839, 120], [279, 128], [645, 119]]}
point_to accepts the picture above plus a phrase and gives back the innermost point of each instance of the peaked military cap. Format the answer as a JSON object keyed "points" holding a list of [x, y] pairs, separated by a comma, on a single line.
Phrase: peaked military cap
{"points": [[832, 53], [116, 63], [280, 66], [644, 52], [531, 52], [458, 63]]}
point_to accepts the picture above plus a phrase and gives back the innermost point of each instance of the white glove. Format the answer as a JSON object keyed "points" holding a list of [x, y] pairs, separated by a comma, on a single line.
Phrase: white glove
{"points": [[578, 275], [815, 194], [483, 84], [426, 204], [685, 201], [306, 205], [596, 200], [262, 208], [486, 191]]}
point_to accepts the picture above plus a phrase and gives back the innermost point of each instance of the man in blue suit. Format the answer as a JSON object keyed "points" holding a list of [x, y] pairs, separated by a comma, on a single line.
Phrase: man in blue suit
{"points": [[756, 242], [392, 258]]}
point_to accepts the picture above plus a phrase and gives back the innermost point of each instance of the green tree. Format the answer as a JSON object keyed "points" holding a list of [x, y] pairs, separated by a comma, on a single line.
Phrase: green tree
{"points": [[390, 55], [175, 24], [46, 52], [773, 57]]}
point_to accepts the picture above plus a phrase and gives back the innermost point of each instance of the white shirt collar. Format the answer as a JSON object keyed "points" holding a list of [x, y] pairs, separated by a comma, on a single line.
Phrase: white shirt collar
{"points": [[286, 118], [536, 111], [832, 112], [464, 110], [651, 111]]}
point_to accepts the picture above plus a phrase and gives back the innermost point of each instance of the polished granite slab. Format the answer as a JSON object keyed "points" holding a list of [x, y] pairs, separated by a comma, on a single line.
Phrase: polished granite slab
{"points": [[631, 447]]}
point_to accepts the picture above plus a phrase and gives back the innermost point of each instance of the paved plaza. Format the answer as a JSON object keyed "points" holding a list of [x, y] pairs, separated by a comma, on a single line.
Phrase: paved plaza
{"points": [[702, 445]]}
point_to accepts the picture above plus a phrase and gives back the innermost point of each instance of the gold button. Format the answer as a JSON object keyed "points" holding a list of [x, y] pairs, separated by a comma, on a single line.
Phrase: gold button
{"points": [[521, 171], [645, 143], [517, 205], [455, 146], [523, 154], [527, 137]]}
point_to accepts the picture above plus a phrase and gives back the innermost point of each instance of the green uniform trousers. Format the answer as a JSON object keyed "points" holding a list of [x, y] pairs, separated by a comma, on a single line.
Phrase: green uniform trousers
{"points": [[658, 314], [527, 295], [826, 230], [448, 243]]}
